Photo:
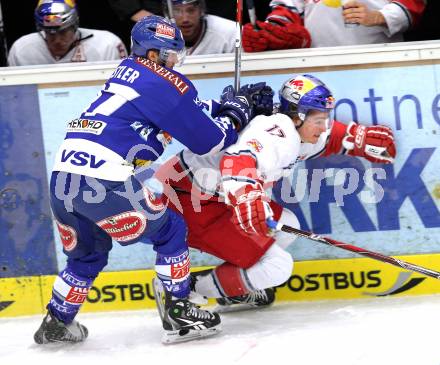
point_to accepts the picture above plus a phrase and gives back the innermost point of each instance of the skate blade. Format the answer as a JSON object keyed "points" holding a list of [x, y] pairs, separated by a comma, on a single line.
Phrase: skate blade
{"points": [[178, 336], [158, 291], [237, 308]]}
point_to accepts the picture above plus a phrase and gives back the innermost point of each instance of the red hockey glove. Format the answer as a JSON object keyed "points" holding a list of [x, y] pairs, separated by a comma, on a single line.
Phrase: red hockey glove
{"points": [[285, 30], [375, 143], [292, 35], [251, 209], [253, 40]]}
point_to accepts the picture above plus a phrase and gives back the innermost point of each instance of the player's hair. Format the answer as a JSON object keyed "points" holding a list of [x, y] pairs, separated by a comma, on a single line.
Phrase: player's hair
{"points": [[200, 3]]}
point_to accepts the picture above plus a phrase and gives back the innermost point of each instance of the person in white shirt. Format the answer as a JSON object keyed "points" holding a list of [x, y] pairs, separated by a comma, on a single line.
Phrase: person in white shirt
{"points": [[203, 33], [326, 23], [223, 200], [59, 39]]}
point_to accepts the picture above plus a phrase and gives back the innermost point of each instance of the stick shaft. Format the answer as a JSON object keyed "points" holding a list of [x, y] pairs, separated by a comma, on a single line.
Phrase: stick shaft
{"points": [[170, 10], [238, 45], [251, 11], [358, 250]]}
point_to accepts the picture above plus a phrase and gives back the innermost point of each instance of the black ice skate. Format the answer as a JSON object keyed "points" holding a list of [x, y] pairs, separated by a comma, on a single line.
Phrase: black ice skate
{"points": [[256, 299], [181, 319], [53, 330]]}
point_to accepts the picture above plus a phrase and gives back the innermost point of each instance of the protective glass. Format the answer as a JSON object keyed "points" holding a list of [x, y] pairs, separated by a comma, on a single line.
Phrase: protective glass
{"points": [[170, 56]]}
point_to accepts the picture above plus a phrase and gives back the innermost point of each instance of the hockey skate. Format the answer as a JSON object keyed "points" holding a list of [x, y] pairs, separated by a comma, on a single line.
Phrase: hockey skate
{"points": [[53, 330], [181, 319], [256, 299]]}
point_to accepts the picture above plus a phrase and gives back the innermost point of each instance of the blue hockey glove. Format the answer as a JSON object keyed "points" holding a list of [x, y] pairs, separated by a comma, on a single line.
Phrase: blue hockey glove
{"points": [[238, 107], [261, 95]]}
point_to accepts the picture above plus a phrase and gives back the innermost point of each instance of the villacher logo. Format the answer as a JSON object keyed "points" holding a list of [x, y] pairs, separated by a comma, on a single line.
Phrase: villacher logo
{"points": [[125, 226]]}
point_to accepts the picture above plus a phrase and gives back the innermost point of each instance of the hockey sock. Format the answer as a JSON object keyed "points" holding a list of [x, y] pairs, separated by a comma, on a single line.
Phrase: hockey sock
{"points": [[225, 281], [205, 285], [68, 294], [231, 280], [173, 271]]}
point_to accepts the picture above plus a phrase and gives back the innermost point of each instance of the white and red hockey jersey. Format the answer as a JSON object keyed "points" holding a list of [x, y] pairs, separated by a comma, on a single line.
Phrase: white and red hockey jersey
{"points": [[323, 19], [267, 149], [94, 45], [218, 37]]}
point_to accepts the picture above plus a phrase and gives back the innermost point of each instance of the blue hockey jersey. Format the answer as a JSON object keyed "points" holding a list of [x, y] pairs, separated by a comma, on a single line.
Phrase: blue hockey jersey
{"points": [[139, 102]]}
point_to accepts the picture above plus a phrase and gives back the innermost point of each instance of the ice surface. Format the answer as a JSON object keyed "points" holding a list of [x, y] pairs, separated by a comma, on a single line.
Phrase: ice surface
{"points": [[353, 332]]}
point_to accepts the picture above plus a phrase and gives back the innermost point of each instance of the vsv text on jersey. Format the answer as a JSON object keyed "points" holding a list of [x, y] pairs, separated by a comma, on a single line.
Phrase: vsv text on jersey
{"points": [[81, 158]]}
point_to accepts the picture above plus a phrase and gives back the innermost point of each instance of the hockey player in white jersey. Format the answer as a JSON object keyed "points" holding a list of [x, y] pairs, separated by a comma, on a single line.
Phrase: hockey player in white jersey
{"points": [[203, 33], [223, 197], [59, 40]]}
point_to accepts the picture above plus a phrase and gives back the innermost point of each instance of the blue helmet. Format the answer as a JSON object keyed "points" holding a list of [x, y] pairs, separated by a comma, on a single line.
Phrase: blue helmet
{"points": [[302, 93], [155, 32], [56, 15]]}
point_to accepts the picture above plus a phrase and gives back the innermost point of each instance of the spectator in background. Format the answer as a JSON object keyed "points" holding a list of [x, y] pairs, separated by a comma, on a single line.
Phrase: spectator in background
{"points": [[203, 33], [137, 9], [301, 23], [59, 39]]}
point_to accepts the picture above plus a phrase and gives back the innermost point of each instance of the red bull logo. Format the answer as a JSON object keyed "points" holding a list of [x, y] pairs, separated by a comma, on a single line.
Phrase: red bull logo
{"points": [[255, 145], [297, 84], [52, 20]]}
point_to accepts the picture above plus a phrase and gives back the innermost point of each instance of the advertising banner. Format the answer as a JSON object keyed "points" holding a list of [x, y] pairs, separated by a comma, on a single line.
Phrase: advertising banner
{"points": [[393, 209], [26, 235]]}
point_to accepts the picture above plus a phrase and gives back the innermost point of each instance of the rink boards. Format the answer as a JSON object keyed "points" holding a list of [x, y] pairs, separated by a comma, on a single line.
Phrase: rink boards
{"points": [[394, 84], [393, 209], [310, 280]]}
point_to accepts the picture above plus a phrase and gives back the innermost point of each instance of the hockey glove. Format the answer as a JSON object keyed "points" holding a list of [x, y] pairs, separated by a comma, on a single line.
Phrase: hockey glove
{"points": [[251, 209], [238, 107], [283, 29], [375, 143], [253, 40], [286, 37], [286, 30], [261, 95]]}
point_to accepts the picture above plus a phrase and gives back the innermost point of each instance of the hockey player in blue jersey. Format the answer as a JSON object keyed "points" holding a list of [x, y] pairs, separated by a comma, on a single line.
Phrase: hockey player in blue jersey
{"points": [[95, 197]]}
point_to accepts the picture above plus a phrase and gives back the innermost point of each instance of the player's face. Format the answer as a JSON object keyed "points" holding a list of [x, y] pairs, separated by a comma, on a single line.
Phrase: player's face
{"points": [[59, 43], [315, 124], [188, 20]]}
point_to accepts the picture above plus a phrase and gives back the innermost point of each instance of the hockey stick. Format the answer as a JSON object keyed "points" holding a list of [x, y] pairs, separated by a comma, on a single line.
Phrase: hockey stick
{"points": [[359, 250], [170, 10], [251, 11], [238, 45]]}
